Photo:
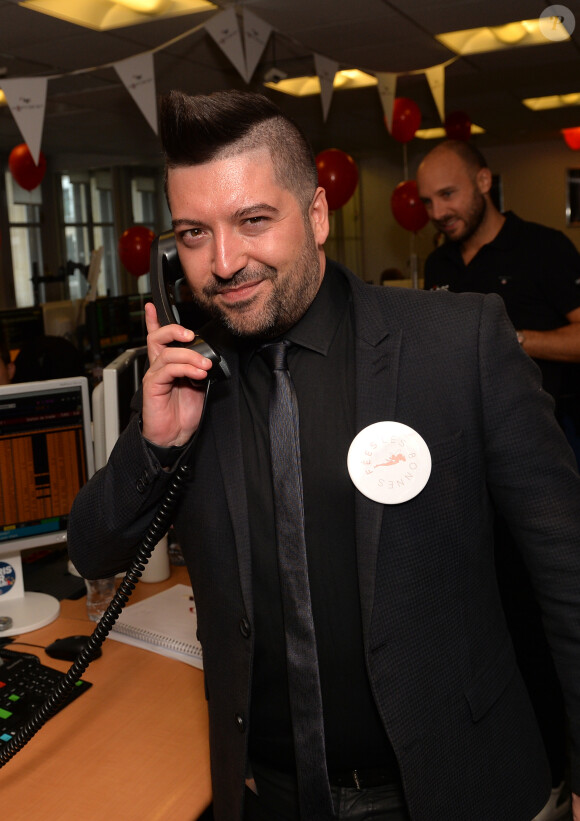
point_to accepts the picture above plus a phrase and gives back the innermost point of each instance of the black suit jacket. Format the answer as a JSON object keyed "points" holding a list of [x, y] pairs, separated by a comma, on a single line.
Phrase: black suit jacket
{"points": [[439, 656]]}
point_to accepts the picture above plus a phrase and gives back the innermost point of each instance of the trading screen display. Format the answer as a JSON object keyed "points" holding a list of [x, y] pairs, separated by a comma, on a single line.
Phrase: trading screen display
{"points": [[108, 325], [20, 325], [42, 461]]}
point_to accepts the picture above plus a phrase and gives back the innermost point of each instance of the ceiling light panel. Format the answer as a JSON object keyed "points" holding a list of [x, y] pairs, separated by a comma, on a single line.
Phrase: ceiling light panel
{"points": [[552, 101], [495, 38], [438, 133], [310, 85], [102, 15]]}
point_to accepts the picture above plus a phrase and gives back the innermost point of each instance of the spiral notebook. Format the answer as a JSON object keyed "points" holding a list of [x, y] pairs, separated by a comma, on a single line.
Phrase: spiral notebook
{"points": [[165, 623]]}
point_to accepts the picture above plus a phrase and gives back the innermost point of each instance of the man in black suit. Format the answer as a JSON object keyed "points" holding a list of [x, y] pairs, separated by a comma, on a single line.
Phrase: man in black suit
{"points": [[416, 411], [536, 271]]}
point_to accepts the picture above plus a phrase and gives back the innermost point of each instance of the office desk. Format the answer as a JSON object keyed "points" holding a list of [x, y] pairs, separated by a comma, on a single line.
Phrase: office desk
{"points": [[133, 747]]}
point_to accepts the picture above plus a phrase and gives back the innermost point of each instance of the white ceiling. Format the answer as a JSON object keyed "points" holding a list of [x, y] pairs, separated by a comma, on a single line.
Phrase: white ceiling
{"points": [[91, 113]]}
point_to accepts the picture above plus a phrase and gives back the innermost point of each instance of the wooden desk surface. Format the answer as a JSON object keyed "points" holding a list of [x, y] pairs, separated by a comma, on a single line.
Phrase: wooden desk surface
{"points": [[133, 747]]}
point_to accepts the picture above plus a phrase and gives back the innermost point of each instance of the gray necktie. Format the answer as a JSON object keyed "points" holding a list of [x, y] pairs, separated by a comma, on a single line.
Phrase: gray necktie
{"points": [[302, 659]]}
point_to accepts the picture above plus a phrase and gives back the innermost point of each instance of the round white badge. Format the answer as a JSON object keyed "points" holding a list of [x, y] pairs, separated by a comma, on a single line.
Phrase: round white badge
{"points": [[389, 462]]}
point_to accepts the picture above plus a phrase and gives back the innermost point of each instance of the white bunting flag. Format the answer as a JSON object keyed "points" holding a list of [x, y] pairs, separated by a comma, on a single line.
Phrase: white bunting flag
{"points": [[26, 98], [138, 75], [387, 85], [436, 80], [326, 70], [256, 36], [225, 31]]}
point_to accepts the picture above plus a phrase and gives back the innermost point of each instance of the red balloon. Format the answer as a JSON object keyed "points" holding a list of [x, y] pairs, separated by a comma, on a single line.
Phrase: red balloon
{"points": [[134, 249], [407, 208], [406, 119], [27, 174], [338, 175], [458, 126], [572, 137]]}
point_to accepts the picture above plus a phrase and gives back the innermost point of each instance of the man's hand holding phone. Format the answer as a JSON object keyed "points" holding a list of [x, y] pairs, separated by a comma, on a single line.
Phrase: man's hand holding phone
{"points": [[172, 404]]}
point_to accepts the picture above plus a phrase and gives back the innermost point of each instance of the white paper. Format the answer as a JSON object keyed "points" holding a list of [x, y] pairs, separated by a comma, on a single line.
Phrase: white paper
{"points": [[165, 623]]}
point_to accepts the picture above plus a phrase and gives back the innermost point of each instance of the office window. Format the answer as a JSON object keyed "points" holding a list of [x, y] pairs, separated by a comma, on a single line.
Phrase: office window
{"points": [[573, 196], [87, 199], [25, 244], [144, 200], [144, 210]]}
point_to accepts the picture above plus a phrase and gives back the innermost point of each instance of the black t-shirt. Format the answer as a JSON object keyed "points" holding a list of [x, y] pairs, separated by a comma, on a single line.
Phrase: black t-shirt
{"points": [[535, 269]]}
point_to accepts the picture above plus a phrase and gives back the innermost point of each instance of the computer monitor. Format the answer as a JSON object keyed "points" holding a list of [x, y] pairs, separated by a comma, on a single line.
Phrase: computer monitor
{"points": [[46, 456], [108, 326], [19, 325], [137, 329], [112, 400]]}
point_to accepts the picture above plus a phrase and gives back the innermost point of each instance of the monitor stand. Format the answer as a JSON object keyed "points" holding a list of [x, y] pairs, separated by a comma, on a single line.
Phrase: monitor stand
{"points": [[26, 610]]}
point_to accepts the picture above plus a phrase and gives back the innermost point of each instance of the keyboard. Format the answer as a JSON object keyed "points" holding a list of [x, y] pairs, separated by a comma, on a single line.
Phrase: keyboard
{"points": [[25, 684]]}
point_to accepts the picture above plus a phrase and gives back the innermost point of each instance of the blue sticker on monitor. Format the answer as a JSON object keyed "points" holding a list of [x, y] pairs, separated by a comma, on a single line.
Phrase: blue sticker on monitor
{"points": [[7, 578]]}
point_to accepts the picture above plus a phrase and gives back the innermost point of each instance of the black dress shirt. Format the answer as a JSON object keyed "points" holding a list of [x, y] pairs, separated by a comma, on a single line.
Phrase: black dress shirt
{"points": [[321, 362]]}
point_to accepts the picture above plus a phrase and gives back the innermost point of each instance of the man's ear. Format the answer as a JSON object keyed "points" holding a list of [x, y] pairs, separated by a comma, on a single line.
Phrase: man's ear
{"points": [[484, 180], [318, 213]]}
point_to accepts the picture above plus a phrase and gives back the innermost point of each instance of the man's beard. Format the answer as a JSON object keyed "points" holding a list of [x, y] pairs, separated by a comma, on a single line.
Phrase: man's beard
{"points": [[289, 300], [472, 219]]}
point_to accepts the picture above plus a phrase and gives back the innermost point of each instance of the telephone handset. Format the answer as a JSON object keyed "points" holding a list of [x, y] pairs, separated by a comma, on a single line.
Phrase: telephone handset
{"points": [[165, 271]]}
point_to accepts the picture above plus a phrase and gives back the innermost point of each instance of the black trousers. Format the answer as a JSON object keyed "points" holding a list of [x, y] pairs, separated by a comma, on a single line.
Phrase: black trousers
{"points": [[277, 800]]}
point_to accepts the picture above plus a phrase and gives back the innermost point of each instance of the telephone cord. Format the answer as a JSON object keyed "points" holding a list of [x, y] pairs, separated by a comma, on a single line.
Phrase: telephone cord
{"points": [[157, 529]]}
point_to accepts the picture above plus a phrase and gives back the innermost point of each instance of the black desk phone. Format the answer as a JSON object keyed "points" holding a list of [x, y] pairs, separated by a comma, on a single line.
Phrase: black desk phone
{"points": [[165, 271]]}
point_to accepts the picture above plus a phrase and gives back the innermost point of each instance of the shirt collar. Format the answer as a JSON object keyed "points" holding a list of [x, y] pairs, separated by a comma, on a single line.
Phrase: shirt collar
{"points": [[502, 240], [316, 329]]}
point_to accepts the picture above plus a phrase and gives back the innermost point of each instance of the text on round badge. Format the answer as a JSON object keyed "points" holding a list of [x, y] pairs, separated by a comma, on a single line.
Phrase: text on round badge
{"points": [[389, 462]]}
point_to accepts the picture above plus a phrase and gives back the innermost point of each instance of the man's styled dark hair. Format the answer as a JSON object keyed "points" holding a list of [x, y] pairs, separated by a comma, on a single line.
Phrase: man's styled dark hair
{"points": [[196, 130]]}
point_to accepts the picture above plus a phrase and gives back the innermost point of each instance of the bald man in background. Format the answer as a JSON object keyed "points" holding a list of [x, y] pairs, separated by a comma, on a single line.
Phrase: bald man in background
{"points": [[536, 270]]}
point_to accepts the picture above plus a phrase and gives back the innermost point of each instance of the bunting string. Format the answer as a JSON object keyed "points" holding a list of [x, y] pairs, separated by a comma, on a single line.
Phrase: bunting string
{"points": [[244, 47]]}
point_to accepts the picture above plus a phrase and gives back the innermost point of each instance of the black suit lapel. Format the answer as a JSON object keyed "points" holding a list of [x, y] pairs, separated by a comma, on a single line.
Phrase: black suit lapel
{"points": [[377, 371], [225, 423]]}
